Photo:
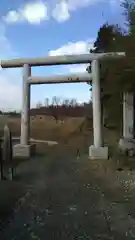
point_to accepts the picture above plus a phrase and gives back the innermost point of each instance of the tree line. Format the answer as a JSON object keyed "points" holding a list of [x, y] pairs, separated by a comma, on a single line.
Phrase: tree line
{"points": [[58, 109], [117, 76]]}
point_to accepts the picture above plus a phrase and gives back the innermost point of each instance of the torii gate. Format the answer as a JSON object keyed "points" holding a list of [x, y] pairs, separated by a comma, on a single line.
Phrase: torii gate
{"points": [[24, 149]]}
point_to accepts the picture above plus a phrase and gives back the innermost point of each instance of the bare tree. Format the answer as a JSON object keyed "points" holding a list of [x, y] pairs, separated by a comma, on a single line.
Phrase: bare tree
{"points": [[73, 102], [55, 108], [66, 102], [39, 105], [56, 101], [46, 102]]}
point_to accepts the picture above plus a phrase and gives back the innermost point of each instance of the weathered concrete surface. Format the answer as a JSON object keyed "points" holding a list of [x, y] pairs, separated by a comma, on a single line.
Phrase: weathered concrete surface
{"points": [[96, 105], [70, 78], [25, 116], [71, 199], [58, 60], [127, 146], [98, 153], [24, 151]]}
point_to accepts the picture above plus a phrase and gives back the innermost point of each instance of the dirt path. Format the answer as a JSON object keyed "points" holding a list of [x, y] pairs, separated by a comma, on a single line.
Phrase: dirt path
{"points": [[69, 199]]}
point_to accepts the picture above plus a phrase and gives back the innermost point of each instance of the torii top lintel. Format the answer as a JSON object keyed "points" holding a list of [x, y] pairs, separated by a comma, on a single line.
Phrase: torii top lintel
{"points": [[59, 60]]}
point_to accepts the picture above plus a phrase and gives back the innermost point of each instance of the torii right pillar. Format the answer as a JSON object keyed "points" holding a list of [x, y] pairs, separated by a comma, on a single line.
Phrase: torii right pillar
{"points": [[127, 142], [97, 150]]}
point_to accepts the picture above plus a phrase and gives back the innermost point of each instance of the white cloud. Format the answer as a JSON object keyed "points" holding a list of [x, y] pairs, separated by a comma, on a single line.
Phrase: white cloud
{"points": [[62, 10], [73, 48], [33, 13], [10, 89], [78, 69], [12, 17], [10, 92], [79, 47], [74, 4]]}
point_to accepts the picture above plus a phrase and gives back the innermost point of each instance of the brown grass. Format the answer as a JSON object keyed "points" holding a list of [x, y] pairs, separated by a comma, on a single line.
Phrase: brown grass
{"points": [[47, 129], [76, 132]]}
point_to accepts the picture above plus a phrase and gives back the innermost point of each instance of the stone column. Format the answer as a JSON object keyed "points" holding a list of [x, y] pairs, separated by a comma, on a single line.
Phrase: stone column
{"points": [[97, 130], [127, 142], [25, 149], [128, 115], [97, 151], [25, 118]]}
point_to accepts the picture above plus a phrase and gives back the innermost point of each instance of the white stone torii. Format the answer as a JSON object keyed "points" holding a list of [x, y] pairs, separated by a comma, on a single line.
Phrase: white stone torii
{"points": [[24, 148]]}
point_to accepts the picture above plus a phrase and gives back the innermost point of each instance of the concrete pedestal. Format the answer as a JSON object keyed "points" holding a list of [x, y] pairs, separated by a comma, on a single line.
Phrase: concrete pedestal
{"points": [[98, 153], [24, 151], [127, 146]]}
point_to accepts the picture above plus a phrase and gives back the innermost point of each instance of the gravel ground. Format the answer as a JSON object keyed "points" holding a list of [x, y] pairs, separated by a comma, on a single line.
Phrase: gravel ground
{"points": [[71, 199]]}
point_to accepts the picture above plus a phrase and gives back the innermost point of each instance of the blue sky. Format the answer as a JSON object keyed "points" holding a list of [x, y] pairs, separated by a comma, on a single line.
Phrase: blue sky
{"points": [[51, 27]]}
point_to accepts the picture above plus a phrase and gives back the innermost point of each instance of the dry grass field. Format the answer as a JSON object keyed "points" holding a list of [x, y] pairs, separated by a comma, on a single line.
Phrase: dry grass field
{"points": [[45, 129], [73, 131]]}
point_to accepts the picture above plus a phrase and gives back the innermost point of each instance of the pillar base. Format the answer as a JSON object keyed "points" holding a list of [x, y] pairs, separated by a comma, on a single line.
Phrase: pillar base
{"points": [[98, 153], [127, 146], [24, 151]]}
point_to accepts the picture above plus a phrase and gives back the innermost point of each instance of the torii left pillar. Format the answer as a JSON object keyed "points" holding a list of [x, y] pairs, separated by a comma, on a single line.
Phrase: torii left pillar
{"points": [[97, 151], [25, 121], [25, 149]]}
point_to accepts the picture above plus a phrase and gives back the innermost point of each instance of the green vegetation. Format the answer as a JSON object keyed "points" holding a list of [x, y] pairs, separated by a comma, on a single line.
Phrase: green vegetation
{"points": [[117, 76]]}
